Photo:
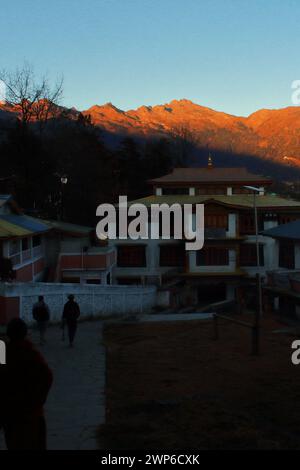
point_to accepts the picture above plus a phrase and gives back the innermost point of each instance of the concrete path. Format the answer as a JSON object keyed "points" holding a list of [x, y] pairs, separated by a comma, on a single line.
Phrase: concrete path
{"points": [[170, 317], [76, 403]]}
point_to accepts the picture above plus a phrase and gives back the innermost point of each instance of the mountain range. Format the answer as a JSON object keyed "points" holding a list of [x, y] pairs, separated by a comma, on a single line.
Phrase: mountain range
{"points": [[268, 134]]}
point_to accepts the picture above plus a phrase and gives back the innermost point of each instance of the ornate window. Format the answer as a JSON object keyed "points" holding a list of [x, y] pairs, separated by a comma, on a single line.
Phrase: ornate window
{"points": [[172, 255], [131, 256], [286, 255], [248, 255], [213, 256]]}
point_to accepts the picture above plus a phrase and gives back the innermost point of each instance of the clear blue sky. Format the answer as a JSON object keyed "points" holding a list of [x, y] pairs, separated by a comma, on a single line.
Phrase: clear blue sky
{"points": [[231, 55]]}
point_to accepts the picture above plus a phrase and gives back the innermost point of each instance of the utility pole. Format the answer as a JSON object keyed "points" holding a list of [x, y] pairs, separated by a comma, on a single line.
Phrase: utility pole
{"points": [[258, 310]]}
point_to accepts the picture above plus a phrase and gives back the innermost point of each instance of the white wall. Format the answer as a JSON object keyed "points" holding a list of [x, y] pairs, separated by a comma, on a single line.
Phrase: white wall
{"points": [[271, 247], [297, 256], [271, 253], [230, 292], [231, 232], [93, 300], [74, 245], [86, 275]]}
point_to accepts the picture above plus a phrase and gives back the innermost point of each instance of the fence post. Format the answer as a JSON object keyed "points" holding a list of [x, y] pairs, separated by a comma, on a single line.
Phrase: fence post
{"points": [[216, 326], [255, 340], [256, 324]]}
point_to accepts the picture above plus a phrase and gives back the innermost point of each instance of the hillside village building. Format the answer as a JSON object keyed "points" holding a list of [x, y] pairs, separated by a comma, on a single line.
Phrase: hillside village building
{"points": [[33, 250], [51, 251], [122, 273], [225, 267], [282, 289]]}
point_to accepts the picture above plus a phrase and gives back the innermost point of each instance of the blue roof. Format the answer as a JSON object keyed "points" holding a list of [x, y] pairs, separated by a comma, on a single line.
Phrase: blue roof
{"points": [[289, 231], [26, 222], [4, 198]]}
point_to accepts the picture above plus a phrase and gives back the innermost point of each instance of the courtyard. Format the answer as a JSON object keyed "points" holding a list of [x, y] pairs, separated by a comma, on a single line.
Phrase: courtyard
{"points": [[171, 386]]}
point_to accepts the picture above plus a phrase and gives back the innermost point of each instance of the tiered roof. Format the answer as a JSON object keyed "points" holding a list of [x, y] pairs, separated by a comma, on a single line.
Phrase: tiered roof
{"points": [[210, 174], [243, 201]]}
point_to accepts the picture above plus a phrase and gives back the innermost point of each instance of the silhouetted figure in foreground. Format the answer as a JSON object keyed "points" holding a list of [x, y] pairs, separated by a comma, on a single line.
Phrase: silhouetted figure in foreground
{"points": [[70, 316], [25, 382], [41, 314]]}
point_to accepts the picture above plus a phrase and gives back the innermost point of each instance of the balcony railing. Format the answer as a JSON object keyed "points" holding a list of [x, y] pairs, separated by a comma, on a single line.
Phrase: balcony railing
{"points": [[36, 251], [15, 259], [26, 255], [283, 278]]}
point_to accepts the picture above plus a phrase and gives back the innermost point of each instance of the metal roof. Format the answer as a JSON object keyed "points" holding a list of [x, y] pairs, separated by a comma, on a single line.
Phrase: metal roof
{"points": [[210, 175], [26, 222], [4, 198], [267, 201], [289, 231], [8, 230], [68, 227], [12, 225]]}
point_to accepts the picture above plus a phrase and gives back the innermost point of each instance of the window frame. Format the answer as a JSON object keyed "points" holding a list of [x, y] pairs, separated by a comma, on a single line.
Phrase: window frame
{"points": [[122, 263], [175, 257], [286, 254], [35, 237], [250, 259], [213, 256], [14, 242]]}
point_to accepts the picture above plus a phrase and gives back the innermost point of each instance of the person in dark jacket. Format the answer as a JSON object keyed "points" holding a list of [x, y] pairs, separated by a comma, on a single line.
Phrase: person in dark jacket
{"points": [[41, 314], [25, 382], [70, 316]]}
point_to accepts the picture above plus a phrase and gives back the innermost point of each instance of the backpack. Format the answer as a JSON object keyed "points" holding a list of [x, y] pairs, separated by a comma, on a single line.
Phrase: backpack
{"points": [[40, 312], [71, 311]]}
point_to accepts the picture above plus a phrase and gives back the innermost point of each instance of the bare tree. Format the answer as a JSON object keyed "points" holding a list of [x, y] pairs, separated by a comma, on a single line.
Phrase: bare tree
{"points": [[185, 140], [33, 98]]}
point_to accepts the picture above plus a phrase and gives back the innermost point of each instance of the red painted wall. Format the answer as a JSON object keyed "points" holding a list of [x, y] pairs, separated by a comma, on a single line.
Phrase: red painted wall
{"points": [[24, 274], [39, 266], [83, 262], [9, 308]]}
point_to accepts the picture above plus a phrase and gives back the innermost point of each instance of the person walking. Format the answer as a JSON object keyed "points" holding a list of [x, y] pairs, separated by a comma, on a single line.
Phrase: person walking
{"points": [[70, 316], [25, 383], [41, 314]]}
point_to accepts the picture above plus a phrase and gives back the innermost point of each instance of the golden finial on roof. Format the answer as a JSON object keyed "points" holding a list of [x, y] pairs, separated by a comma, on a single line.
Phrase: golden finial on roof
{"points": [[210, 161]]}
